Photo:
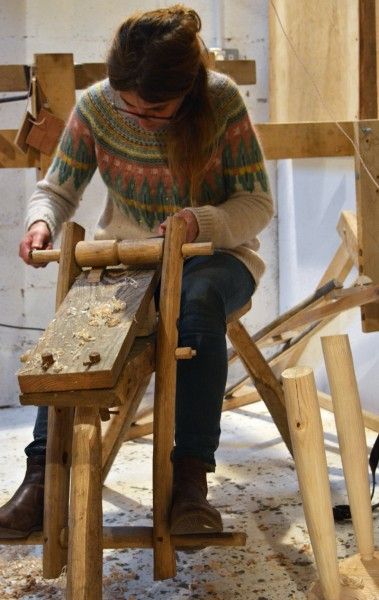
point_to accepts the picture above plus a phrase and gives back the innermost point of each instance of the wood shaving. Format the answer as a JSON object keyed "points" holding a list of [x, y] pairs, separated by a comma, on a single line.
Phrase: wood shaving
{"points": [[83, 335]]}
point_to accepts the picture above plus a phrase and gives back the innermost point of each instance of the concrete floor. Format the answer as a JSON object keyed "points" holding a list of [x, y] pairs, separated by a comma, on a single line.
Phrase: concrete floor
{"points": [[255, 487]]}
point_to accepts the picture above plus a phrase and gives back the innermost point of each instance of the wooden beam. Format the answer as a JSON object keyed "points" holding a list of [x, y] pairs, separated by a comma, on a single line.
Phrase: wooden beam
{"points": [[242, 71], [13, 78], [368, 97], [55, 75], [304, 140], [279, 140], [367, 194]]}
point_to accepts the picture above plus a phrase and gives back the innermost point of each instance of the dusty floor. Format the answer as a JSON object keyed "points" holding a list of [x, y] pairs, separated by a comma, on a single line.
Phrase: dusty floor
{"points": [[255, 487]]}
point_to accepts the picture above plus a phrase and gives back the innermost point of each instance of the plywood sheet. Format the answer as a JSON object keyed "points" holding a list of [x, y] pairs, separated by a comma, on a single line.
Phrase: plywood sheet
{"points": [[98, 316], [325, 38]]}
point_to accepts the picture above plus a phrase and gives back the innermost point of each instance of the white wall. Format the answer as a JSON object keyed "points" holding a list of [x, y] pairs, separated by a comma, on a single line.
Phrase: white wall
{"points": [[85, 28]]}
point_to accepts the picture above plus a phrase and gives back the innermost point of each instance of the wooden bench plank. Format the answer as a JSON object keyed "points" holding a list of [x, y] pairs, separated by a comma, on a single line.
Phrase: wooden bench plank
{"points": [[98, 317]]}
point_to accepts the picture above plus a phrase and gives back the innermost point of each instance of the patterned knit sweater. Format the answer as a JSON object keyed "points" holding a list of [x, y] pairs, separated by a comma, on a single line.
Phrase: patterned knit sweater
{"points": [[141, 191]]}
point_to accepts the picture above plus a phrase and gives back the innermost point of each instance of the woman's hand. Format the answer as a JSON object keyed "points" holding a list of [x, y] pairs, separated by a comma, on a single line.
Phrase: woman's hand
{"points": [[192, 227], [38, 237]]}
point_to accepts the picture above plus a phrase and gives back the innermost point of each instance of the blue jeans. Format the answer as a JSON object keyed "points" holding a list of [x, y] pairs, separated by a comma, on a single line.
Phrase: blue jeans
{"points": [[212, 288]]}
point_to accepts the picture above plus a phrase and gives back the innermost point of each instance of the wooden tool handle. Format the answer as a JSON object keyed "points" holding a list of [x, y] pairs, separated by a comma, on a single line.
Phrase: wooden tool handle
{"points": [[40, 257]]}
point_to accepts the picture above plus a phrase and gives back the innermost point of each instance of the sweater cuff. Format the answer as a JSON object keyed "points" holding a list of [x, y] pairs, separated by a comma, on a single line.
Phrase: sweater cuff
{"points": [[44, 217], [206, 221]]}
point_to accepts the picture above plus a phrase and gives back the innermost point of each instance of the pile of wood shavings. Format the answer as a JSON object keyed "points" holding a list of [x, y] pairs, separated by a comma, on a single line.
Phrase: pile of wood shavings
{"points": [[21, 576]]}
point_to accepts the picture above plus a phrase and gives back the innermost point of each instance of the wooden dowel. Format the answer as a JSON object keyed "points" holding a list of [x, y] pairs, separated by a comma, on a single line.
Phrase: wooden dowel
{"points": [[351, 436], [99, 253], [309, 453], [140, 252], [103, 253]]}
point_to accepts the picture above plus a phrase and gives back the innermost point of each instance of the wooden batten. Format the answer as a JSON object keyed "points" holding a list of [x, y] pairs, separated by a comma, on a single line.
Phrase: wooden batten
{"points": [[367, 138], [304, 139], [14, 78]]}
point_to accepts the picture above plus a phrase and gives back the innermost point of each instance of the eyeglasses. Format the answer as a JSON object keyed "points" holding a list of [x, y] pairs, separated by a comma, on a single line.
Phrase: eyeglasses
{"points": [[144, 116]]}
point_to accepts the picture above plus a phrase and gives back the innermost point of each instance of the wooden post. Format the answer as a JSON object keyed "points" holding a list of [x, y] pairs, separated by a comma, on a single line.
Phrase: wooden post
{"points": [[59, 436], [85, 554], [56, 77], [368, 96], [366, 134], [351, 436], [165, 392], [308, 446]]}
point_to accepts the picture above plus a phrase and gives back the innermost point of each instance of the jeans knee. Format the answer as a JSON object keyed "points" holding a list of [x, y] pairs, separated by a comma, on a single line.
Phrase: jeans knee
{"points": [[202, 309]]}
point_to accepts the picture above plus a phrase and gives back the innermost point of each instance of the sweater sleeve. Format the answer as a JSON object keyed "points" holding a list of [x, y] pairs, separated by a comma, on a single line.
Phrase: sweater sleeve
{"points": [[57, 195], [248, 206]]}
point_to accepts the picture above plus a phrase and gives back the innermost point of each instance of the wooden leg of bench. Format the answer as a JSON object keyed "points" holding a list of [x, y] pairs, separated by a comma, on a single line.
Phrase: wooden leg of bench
{"points": [[85, 542], [57, 485], [117, 429], [264, 380]]}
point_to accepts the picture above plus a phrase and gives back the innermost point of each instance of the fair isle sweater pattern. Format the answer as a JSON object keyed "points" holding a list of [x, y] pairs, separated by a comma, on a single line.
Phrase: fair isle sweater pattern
{"points": [[133, 162]]}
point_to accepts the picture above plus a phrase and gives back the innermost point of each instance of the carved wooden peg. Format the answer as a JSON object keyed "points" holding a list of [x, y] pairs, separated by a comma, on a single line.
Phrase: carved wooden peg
{"points": [[93, 359], [184, 353], [47, 360]]}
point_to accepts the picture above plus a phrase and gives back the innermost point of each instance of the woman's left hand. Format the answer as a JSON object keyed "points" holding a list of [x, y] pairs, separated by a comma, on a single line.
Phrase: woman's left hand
{"points": [[192, 230]]}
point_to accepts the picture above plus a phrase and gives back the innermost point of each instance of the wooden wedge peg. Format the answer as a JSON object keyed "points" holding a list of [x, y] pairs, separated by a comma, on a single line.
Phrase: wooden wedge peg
{"points": [[47, 359], [93, 359], [184, 353]]}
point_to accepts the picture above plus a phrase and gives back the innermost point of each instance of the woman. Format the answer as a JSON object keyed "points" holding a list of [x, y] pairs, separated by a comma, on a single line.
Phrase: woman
{"points": [[169, 137]]}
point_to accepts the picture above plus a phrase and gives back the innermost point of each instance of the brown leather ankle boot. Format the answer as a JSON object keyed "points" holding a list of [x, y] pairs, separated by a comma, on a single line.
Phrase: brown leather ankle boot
{"points": [[191, 512], [23, 513]]}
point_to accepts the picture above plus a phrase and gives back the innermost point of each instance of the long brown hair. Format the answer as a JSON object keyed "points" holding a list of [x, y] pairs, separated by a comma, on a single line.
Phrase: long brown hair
{"points": [[160, 56]]}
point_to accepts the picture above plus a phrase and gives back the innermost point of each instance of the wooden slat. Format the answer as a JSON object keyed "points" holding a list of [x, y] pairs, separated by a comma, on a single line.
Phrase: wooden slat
{"points": [[77, 330], [279, 140], [368, 95], [12, 78], [367, 194], [304, 140], [370, 420], [11, 157], [348, 231], [242, 71]]}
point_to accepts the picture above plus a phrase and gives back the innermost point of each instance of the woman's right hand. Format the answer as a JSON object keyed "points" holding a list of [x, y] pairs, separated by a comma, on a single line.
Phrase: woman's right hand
{"points": [[38, 237]]}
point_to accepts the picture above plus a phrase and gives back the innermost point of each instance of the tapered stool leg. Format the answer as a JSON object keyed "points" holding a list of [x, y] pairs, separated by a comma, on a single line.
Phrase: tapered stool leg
{"points": [[309, 453], [351, 437]]}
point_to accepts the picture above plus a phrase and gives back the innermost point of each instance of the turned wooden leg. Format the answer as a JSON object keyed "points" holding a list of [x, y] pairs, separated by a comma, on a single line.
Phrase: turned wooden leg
{"points": [[351, 437], [309, 453]]}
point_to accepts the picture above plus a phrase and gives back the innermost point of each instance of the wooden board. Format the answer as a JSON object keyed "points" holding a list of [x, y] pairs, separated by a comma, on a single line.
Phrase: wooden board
{"points": [[87, 321], [367, 137], [304, 140], [324, 35], [242, 71], [13, 78]]}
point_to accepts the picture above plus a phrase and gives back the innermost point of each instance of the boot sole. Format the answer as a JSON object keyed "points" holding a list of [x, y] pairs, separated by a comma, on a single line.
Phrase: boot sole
{"points": [[12, 534], [197, 521]]}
